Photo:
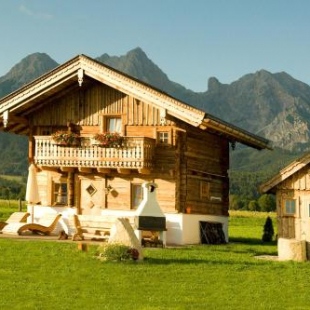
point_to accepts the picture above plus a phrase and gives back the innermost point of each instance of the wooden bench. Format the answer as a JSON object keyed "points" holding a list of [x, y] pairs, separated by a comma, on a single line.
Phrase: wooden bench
{"points": [[93, 227]]}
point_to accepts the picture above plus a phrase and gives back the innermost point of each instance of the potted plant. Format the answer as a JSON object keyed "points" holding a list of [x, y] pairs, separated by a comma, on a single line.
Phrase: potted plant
{"points": [[108, 139], [66, 138]]}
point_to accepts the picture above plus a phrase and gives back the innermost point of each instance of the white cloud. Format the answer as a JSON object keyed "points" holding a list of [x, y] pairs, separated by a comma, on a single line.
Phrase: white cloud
{"points": [[32, 13]]}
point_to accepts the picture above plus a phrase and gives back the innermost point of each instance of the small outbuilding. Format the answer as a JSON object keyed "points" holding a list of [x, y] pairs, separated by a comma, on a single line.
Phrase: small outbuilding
{"points": [[291, 187]]}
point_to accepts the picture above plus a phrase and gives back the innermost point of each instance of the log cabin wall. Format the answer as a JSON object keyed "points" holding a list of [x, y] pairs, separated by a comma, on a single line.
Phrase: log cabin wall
{"points": [[207, 164], [120, 198], [86, 107], [190, 170]]}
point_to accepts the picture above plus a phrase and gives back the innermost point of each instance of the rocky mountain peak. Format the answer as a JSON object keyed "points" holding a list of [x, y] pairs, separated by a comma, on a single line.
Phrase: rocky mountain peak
{"points": [[213, 84], [33, 64], [29, 68]]}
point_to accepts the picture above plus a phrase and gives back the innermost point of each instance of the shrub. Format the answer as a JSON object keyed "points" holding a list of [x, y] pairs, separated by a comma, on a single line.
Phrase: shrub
{"points": [[253, 206], [268, 230], [117, 252], [267, 203]]}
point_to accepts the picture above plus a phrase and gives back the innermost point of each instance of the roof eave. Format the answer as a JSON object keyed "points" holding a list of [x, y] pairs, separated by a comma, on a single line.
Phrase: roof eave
{"points": [[285, 173], [235, 133]]}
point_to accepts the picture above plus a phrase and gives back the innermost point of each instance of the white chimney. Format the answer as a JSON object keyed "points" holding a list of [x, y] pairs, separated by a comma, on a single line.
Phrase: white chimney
{"points": [[149, 205]]}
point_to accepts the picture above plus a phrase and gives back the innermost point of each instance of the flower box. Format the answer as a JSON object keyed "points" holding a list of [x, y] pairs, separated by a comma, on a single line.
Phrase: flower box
{"points": [[108, 139], [66, 138]]}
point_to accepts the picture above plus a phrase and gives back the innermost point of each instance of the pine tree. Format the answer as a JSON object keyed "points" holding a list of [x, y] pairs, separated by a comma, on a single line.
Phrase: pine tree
{"points": [[268, 230]]}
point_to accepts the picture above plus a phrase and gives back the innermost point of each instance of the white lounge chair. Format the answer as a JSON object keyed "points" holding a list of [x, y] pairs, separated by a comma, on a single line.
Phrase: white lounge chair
{"points": [[45, 226], [16, 217]]}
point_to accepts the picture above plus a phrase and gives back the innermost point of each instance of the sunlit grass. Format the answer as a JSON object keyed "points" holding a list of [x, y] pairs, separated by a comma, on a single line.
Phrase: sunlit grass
{"points": [[56, 275], [246, 225]]}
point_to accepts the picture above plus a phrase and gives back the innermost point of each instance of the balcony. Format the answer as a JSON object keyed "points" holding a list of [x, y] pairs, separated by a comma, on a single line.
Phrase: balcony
{"points": [[137, 153]]}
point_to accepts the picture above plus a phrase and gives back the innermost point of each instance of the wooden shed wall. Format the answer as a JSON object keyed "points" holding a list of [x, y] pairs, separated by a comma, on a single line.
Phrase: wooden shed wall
{"points": [[298, 181], [297, 187], [285, 224]]}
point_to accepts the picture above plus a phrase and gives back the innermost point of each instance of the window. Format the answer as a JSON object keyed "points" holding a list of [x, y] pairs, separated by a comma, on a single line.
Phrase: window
{"points": [[290, 206], [60, 194], [163, 137], [204, 190], [136, 195], [114, 124]]}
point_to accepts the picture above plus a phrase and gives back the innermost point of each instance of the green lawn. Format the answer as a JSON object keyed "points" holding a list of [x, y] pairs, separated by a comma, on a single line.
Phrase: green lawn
{"points": [[56, 275], [7, 207]]}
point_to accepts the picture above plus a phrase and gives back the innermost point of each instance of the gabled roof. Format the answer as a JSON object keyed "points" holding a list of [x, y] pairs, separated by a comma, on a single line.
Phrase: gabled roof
{"points": [[285, 173], [30, 97]]}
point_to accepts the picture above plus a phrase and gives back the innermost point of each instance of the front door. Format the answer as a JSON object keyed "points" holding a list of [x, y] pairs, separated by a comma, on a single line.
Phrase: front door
{"points": [[92, 195]]}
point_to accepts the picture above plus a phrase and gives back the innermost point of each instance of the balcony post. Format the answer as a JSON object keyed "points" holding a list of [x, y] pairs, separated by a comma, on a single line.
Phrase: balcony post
{"points": [[70, 186]]}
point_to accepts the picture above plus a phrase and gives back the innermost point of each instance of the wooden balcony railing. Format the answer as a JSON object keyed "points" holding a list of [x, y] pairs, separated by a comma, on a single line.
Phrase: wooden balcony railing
{"points": [[137, 153]]}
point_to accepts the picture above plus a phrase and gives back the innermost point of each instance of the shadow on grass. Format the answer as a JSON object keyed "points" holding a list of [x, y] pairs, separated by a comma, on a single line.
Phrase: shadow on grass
{"points": [[256, 251], [200, 261], [240, 252], [251, 241]]}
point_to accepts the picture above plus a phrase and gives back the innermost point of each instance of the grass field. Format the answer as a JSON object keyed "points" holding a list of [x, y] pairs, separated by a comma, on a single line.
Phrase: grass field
{"points": [[9, 206], [56, 275]]}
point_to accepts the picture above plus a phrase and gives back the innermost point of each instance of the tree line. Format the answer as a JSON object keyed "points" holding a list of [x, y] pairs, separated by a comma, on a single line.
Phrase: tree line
{"points": [[12, 189], [244, 192]]}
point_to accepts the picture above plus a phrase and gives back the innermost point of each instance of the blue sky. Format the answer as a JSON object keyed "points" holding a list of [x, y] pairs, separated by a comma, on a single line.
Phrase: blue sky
{"points": [[190, 40]]}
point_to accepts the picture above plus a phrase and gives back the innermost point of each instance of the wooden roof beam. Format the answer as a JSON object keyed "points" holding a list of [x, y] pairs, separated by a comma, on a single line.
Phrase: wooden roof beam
{"points": [[85, 169], [15, 119], [144, 171]]}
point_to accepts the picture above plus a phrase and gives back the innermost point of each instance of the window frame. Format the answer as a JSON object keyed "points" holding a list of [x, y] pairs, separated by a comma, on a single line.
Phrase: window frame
{"points": [[64, 193], [106, 123], [204, 190], [133, 188], [286, 207], [166, 139]]}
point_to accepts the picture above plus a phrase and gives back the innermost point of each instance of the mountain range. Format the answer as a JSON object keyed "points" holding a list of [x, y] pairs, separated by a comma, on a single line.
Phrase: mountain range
{"points": [[272, 105]]}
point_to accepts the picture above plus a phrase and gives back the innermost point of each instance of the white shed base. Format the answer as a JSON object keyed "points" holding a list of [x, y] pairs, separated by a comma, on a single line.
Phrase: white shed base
{"points": [[184, 229], [292, 249]]}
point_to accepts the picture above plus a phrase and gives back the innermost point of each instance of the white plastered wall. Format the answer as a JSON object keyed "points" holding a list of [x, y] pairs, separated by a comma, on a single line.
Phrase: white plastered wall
{"points": [[182, 229]]}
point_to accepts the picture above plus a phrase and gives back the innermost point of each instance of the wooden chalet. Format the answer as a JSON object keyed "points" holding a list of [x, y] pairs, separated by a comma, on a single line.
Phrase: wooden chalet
{"points": [[184, 150], [291, 186]]}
